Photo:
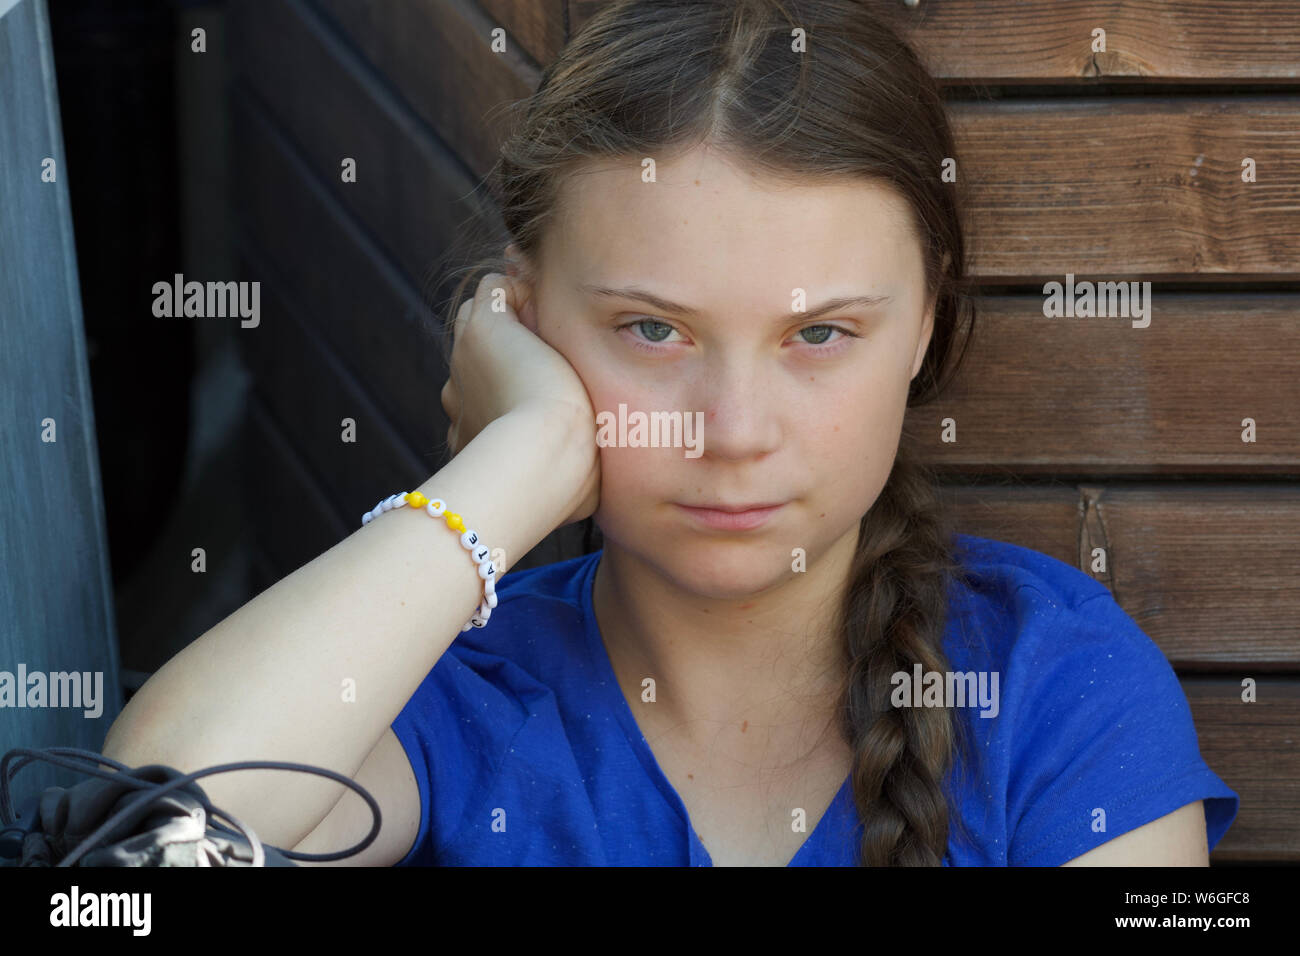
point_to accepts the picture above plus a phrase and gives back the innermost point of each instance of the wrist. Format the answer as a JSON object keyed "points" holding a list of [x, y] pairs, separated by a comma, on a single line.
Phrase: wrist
{"points": [[518, 479]]}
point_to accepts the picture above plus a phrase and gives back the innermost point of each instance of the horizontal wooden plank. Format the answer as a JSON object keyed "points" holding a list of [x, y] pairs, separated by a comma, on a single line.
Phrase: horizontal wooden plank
{"points": [[1010, 41], [439, 55], [359, 302], [1097, 395], [409, 191], [1134, 188], [1210, 572], [1255, 750]]}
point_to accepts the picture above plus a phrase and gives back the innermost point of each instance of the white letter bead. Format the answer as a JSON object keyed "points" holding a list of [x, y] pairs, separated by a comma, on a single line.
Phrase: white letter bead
{"points": [[437, 507], [490, 585], [467, 627], [379, 509], [480, 554], [469, 539], [367, 518], [386, 504], [399, 500], [486, 570], [492, 599]]}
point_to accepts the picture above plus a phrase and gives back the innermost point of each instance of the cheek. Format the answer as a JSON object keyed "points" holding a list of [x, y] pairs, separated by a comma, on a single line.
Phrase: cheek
{"points": [[609, 386], [851, 412], [851, 438], [634, 483], [628, 472]]}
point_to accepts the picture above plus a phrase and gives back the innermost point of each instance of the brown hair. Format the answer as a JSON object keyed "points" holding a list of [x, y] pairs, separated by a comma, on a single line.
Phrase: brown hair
{"points": [[655, 77]]}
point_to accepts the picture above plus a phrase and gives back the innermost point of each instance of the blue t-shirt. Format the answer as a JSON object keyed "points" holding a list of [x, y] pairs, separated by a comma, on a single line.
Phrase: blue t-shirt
{"points": [[523, 723]]}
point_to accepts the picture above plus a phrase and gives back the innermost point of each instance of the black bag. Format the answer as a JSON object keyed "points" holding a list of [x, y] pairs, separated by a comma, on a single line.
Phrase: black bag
{"points": [[147, 816]]}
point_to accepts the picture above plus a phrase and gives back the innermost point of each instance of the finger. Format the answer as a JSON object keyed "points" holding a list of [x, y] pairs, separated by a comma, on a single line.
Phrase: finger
{"points": [[480, 301]]}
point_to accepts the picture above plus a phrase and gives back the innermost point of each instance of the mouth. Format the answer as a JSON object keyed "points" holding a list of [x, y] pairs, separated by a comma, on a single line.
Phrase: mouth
{"points": [[732, 517]]}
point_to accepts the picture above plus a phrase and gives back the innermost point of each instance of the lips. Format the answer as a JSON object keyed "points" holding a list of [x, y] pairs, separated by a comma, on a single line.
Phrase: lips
{"points": [[736, 509], [732, 517]]}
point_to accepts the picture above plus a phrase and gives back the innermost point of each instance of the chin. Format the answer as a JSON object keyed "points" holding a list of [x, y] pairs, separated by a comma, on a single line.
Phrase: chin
{"points": [[734, 569]]}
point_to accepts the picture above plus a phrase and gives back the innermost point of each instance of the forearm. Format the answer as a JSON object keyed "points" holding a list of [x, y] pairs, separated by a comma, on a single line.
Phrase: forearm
{"points": [[371, 616]]}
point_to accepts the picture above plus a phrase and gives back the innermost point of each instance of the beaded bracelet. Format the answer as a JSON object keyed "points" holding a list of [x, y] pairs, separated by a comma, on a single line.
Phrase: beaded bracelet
{"points": [[469, 540]]}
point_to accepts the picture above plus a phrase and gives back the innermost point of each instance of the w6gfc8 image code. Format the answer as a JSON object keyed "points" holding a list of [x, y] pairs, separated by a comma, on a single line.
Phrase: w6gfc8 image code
{"points": [[1179, 920]]}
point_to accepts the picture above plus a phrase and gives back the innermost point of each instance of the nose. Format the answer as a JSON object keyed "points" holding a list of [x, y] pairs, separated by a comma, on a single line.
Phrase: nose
{"points": [[742, 406]]}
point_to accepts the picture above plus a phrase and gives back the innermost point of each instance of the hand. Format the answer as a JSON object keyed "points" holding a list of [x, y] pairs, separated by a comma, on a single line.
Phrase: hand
{"points": [[499, 365]]}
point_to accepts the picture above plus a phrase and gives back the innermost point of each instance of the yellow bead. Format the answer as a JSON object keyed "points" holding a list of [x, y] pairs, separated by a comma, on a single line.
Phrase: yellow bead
{"points": [[454, 522], [416, 500]]}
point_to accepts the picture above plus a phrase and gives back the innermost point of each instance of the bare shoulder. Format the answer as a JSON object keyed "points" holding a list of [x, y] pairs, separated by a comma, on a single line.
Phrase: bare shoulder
{"points": [[386, 774], [1176, 839]]}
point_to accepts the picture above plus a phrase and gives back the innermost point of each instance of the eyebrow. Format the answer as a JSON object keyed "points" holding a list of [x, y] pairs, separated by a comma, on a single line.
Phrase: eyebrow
{"points": [[664, 305]]}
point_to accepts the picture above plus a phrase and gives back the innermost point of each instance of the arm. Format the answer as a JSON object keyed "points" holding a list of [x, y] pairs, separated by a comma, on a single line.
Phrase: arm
{"points": [[1176, 839], [379, 608]]}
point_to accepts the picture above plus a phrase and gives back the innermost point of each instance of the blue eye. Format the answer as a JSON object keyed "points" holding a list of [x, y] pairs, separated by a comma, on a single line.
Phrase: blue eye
{"points": [[662, 329], [825, 331], [653, 332]]}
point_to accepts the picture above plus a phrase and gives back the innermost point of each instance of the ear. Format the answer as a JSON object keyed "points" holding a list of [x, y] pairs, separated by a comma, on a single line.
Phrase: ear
{"points": [[518, 264]]}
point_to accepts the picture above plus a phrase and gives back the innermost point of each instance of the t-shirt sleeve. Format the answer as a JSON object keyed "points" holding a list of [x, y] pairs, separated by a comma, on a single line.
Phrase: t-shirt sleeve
{"points": [[1104, 739], [455, 730]]}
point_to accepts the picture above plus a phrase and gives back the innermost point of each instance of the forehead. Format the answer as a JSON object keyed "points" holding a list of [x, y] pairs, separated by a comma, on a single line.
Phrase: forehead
{"points": [[707, 219]]}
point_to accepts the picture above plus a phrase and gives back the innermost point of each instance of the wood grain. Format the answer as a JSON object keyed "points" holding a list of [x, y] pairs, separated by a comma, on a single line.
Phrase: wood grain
{"points": [[1210, 572], [1010, 41], [1038, 395], [1253, 747]]}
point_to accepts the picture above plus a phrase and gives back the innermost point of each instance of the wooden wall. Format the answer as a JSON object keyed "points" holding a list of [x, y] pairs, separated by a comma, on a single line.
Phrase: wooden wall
{"points": [[1072, 433]]}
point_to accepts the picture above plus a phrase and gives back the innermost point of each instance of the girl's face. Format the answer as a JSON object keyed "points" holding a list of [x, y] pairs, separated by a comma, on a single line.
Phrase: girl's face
{"points": [[798, 410]]}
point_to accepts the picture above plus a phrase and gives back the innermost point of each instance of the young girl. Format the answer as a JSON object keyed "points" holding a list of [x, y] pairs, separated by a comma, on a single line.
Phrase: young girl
{"points": [[732, 216]]}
